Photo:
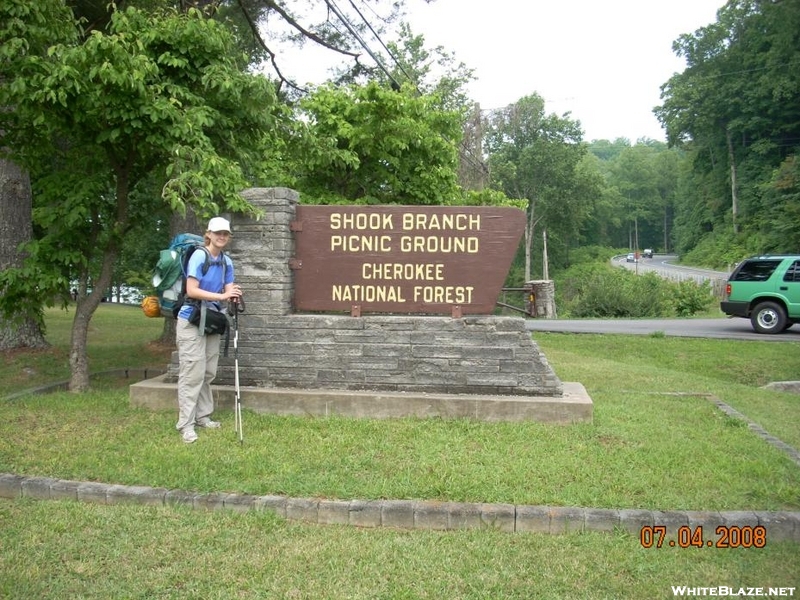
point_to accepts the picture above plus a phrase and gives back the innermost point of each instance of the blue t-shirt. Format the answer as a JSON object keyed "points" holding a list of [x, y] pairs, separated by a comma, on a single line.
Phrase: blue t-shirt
{"points": [[211, 281]]}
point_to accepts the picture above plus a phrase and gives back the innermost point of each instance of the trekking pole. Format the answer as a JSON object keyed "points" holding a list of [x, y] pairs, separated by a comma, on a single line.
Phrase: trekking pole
{"points": [[237, 308]]}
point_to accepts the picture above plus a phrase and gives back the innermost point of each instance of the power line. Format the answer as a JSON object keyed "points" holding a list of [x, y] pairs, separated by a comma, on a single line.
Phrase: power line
{"points": [[395, 85], [380, 41], [467, 158], [332, 5], [737, 72]]}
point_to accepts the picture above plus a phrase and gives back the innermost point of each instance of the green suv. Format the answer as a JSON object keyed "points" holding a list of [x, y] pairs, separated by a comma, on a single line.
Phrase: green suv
{"points": [[766, 290]]}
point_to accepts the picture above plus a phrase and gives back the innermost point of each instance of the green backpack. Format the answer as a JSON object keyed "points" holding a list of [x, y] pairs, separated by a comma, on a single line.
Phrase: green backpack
{"points": [[169, 275]]}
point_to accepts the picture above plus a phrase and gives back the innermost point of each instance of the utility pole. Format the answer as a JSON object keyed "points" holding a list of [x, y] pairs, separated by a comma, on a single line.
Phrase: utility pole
{"points": [[545, 261]]}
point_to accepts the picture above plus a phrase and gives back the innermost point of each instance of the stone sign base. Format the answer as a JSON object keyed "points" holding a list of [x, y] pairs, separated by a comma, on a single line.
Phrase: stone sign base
{"points": [[384, 365], [573, 406]]}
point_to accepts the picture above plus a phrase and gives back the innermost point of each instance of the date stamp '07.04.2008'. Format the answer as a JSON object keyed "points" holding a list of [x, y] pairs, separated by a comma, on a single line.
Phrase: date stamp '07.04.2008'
{"points": [[724, 536]]}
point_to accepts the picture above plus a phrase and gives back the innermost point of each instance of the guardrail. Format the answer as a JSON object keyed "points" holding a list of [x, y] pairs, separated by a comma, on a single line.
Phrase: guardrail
{"points": [[716, 279]]}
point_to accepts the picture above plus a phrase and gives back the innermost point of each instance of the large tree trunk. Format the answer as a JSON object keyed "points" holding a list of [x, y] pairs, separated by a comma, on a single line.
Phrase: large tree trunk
{"points": [[88, 303], [22, 329], [85, 308]]}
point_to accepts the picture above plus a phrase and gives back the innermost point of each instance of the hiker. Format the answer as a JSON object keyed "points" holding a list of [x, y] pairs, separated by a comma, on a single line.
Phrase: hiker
{"points": [[199, 351]]}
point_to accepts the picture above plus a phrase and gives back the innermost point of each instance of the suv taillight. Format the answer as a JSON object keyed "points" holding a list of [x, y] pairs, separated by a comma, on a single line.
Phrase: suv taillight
{"points": [[728, 290]]}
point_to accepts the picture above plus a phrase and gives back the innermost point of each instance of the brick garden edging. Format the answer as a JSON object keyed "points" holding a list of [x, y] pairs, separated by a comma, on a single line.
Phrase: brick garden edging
{"points": [[408, 514], [421, 514]]}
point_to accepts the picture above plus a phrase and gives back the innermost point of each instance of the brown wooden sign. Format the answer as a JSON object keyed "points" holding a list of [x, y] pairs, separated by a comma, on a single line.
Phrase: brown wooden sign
{"points": [[403, 259]]}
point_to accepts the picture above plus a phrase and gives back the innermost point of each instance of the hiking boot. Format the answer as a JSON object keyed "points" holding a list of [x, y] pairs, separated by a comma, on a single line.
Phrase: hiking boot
{"points": [[189, 436], [209, 424]]}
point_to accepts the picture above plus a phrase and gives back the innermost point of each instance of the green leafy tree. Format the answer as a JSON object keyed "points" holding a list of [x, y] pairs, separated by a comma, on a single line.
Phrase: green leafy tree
{"points": [[159, 96], [781, 198], [666, 175], [736, 110], [606, 150], [605, 216], [370, 144], [636, 176], [437, 74], [535, 157], [26, 29]]}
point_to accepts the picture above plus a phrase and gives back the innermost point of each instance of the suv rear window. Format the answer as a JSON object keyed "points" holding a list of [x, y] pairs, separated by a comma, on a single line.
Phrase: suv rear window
{"points": [[793, 272], [755, 270]]}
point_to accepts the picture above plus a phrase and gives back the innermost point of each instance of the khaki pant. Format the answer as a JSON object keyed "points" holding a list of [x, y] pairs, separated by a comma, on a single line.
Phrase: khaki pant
{"points": [[198, 355]]}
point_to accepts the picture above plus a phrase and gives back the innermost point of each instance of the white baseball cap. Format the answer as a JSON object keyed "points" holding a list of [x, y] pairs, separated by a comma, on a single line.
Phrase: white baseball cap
{"points": [[219, 224]]}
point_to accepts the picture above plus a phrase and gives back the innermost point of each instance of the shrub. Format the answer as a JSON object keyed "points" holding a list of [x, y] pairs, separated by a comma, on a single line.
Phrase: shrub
{"points": [[690, 297], [602, 291]]}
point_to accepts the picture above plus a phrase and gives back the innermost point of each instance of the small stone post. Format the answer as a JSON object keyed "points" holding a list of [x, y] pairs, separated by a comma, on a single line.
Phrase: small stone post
{"points": [[542, 298]]}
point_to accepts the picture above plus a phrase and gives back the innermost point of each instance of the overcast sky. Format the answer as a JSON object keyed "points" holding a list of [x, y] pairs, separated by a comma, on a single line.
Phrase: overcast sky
{"points": [[602, 60]]}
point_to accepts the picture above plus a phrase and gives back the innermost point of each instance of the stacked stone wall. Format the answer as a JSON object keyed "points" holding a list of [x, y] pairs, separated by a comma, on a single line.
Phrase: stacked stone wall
{"points": [[277, 348]]}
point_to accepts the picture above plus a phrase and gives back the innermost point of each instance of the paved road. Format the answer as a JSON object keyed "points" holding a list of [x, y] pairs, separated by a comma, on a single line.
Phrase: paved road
{"points": [[663, 264], [723, 328]]}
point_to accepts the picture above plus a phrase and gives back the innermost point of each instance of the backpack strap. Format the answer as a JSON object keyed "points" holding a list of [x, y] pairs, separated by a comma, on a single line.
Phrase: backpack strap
{"points": [[203, 309], [207, 262], [228, 328]]}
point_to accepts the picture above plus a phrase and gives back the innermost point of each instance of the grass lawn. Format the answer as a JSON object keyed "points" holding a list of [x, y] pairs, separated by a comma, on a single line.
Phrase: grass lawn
{"points": [[657, 442]]}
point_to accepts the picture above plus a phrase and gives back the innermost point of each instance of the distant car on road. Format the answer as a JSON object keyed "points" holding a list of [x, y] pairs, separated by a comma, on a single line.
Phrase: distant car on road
{"points": [[631, 257], [766, 290], [648, 253]]}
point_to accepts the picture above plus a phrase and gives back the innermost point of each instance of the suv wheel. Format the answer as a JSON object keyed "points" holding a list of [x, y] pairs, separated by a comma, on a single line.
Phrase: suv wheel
{"points": [[768, 317]]}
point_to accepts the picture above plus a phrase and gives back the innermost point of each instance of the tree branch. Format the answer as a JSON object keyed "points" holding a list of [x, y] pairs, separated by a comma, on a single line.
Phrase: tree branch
{"points": [[270, 53], [309, 34]]}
